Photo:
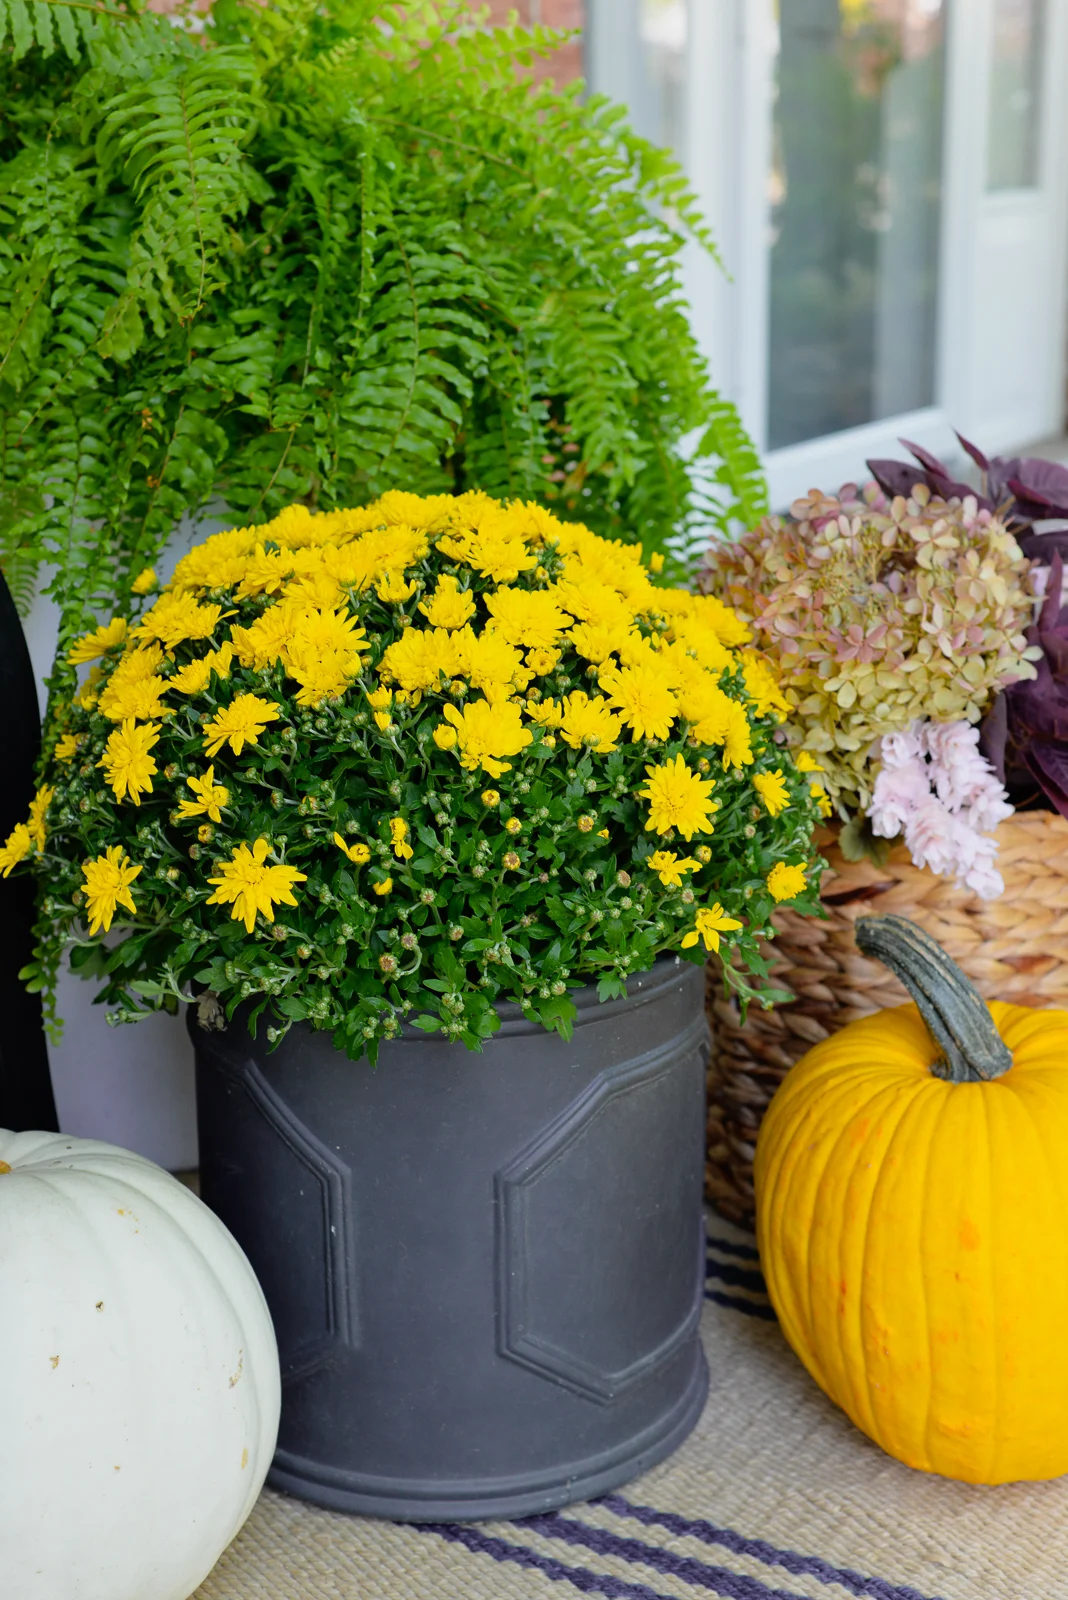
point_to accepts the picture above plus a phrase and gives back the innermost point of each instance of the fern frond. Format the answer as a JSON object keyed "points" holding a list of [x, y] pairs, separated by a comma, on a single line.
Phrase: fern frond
{"points": [[322, 249]]}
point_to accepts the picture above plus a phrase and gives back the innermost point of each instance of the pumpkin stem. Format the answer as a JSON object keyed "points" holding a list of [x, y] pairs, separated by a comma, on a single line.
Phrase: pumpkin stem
{"points": [[957, 1017]]}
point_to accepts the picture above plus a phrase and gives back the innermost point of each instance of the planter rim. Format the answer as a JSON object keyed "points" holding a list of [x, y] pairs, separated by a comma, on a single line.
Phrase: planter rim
{"points": [[642, 987]]}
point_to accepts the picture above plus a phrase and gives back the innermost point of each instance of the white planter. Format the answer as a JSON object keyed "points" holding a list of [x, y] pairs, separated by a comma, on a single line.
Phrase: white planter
{"points": [[131, 1086]]}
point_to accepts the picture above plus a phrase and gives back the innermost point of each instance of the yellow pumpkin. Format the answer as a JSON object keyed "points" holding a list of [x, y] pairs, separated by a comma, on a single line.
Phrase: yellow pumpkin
{"points": [[912, 1216]]}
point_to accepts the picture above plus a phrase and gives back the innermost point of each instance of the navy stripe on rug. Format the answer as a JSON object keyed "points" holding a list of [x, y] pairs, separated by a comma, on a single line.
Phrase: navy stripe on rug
{"points": [[688, 1569], [760, 1550], [727, 1247], [739, 1277], [750, 1308], [731, 1585]]}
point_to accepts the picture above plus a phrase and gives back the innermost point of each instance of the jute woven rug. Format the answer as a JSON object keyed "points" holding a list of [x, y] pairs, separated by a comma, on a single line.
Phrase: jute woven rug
{"points": [[775, 1496]]}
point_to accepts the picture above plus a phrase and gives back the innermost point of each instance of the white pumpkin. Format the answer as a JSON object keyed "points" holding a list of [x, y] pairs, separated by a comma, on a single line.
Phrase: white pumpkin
{"points": [[139, 1383]]}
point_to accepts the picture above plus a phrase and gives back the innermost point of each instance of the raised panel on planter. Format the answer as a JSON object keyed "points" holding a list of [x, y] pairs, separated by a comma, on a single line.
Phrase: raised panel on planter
{"points": [[597, 1289], [310, 1291]]}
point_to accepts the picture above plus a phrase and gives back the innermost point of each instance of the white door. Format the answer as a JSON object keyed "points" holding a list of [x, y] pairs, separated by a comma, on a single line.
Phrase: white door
{"points": [[888, 181]]}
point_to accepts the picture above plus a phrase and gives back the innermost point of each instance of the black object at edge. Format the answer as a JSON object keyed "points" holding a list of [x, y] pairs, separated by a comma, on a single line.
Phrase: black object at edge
{"points": [[26, 1098]]}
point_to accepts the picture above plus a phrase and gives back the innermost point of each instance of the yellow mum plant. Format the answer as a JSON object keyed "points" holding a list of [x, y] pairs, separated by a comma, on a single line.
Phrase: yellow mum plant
{"points": [[400, 762]]}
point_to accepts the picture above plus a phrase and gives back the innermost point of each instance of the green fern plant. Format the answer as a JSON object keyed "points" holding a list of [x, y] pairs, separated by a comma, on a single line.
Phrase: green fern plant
{"points": [[313, 250]]}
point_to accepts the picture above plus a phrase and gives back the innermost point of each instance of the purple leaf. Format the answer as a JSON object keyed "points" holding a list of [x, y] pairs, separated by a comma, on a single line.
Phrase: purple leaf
{"points": [[994, 732], [1044, 546], [896, 477], [1049, 765], [931, 462], [1047, 480], [974, 451], [1051, 605]]}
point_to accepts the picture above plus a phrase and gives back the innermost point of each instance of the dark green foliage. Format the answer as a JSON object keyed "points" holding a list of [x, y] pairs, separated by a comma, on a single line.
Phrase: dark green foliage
{"points": [[315, 252]]}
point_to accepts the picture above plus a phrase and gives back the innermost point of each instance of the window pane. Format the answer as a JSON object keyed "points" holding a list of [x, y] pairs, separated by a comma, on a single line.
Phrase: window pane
{"points": [[664, 28], [855, 196], [1015, 94], [636, 51]]}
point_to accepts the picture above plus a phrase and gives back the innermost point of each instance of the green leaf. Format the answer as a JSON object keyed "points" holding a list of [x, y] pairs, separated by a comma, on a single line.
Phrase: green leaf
{"points": [[21, 27]]}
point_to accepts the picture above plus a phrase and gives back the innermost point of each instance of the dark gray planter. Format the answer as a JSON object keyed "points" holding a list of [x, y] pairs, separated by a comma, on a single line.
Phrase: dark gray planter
{"points": [[485, 1271]]}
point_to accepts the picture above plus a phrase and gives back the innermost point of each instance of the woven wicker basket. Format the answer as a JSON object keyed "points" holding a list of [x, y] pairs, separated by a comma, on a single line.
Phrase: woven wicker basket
{"points": [[1013, 948]]}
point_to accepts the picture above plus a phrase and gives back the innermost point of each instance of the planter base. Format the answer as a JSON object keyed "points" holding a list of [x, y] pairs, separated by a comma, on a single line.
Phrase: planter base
{"points": [[409, 1500]]}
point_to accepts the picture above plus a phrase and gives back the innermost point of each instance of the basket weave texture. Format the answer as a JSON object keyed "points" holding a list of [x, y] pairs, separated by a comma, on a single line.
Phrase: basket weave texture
{"points": [[1013, 948]]}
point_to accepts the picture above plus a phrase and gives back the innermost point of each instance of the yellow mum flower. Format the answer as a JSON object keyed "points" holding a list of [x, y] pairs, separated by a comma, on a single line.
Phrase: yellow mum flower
{"points": [[413, 511], [444, 736], [145, 581], [321, 677], [218, 563], [107, 885], [268, 571], [493, 666], [709, 923], [644, 701], [490, 797], [16, 848], [326, 631], [358, 854], [127, 764], [38, 807], [656, 561], [527, 617], [669, 867], [678, 798], [786, 882], [266, 640], [376, 554], [704, 646], [737, 738], [91, 646], [773, 790], [589, 722], [597, 642], [497, 554], [486, 731], [239, 723], [210, 797], [546, 713], [763, 686], [419, 657], [394, 589], [142, 700], [132, 689], [68, 745], [398, 835], [540, 662], [249, 885], [195, 677], [177, 617], [382, 888], [598, 604], [449, 606]]}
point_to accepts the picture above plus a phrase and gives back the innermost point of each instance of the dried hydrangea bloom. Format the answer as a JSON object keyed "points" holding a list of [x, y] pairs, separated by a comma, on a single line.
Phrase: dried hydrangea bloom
{"points": [[877, 612]]}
